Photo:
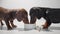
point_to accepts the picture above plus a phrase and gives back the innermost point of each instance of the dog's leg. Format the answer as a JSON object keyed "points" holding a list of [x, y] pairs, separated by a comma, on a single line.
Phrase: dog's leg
{"points": [[8, 25], [12, 24], [1, 24]]}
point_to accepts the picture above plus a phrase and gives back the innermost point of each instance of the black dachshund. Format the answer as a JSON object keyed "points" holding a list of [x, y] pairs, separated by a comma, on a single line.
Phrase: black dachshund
{"points": [[52, 15]]}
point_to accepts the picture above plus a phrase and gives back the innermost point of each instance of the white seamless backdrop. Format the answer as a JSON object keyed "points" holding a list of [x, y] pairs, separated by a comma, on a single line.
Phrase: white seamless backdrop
{"points": [[28, 4]]}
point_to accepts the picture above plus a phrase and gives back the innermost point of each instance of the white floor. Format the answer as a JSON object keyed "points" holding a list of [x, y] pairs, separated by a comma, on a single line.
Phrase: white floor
{"points": [[53, 29]]}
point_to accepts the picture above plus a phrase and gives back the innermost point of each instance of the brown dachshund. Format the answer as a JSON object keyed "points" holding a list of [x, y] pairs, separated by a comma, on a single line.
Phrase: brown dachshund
{"points": [[9, 15]]}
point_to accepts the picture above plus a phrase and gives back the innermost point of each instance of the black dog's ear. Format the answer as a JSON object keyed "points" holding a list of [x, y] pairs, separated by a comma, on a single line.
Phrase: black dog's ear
{"points": [[34, 12]]}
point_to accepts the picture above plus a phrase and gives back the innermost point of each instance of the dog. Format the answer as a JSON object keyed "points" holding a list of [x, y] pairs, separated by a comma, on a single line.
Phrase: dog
{"points": [[51, 15], [9, 15]]}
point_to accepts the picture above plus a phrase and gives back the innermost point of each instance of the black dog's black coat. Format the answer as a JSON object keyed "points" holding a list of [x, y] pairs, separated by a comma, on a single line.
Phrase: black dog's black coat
{"points": [[53, 15], [50, 14]]}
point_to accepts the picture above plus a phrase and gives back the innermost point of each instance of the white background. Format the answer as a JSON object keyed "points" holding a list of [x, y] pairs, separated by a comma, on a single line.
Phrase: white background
{"points": [[27, 4]]}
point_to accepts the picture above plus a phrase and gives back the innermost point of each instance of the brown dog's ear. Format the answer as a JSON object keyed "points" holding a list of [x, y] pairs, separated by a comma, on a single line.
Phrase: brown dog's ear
{"points": [[25, 16], [19, 15]]}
